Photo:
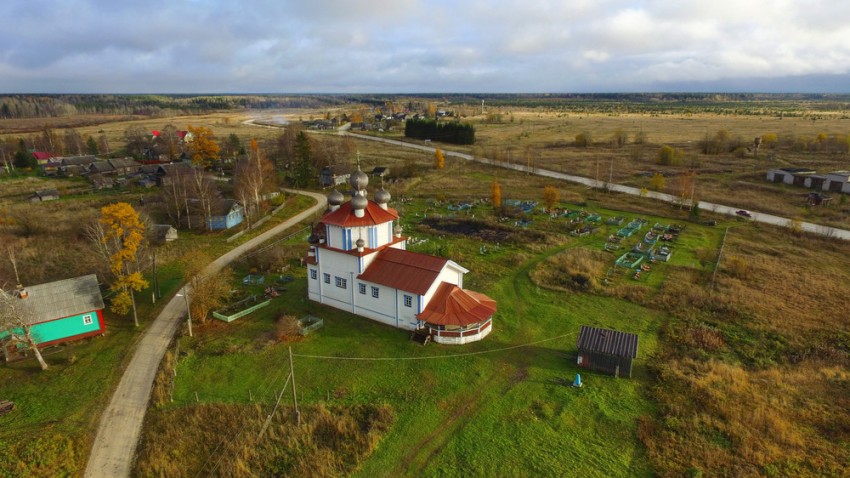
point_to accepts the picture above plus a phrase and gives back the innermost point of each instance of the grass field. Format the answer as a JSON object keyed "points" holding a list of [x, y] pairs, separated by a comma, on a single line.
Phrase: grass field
{"points": [[740, 373], [502, 410]]}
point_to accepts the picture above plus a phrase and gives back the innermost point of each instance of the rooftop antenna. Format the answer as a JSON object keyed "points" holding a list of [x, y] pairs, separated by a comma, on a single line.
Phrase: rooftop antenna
{"points": [[358, 159]]}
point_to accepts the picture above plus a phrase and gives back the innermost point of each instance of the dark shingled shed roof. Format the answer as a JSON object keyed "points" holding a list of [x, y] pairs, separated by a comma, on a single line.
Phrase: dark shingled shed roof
{"points": [[605, 341]]}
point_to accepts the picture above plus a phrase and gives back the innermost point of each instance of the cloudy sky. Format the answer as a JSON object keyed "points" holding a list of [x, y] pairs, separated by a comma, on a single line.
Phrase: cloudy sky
{"points": [[396, 46]]}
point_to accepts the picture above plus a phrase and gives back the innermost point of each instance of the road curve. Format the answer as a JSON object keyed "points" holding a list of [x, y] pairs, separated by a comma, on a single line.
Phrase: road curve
{"points": [[120, 426], [703, 205]]}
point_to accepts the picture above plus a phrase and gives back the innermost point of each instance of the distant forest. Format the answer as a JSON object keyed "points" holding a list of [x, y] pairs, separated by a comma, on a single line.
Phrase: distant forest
{"points": [[45, 106]]}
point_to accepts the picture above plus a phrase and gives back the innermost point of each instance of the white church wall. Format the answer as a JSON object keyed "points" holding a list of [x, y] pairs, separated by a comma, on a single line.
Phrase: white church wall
{"points": [[448, 274], [334, 273]]}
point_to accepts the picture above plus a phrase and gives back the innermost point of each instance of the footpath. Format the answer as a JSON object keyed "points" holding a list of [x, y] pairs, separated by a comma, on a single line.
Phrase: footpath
{"points": [[120, 426]]}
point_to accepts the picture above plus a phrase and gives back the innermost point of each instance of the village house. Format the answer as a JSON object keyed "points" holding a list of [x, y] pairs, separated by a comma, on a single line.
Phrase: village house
{"points": [[163, 233], [114, 167], [334, 175], [226, 215], [167, 174], [43, 157], [60, 311], [358, 262], [75, 165], [45, 195], [380, 172]]}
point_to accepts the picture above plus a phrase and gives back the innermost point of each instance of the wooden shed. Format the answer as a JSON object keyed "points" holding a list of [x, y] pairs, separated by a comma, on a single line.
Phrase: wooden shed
{"points": [[607, 351]]}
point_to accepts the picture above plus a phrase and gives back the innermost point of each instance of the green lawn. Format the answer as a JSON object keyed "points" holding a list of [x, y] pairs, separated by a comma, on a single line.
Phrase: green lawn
{"points": [[503, 412]]}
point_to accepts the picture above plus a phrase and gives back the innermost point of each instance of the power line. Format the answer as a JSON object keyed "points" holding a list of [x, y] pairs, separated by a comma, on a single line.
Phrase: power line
{"points": [[430, 357]]}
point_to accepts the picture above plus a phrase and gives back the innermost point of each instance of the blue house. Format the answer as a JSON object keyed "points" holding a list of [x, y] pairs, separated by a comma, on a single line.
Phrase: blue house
{"points": [[232, 216], [61, 311]]}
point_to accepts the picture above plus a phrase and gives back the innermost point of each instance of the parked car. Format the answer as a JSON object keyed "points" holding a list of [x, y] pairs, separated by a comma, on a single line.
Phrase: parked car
{"points": [[743, 213]]}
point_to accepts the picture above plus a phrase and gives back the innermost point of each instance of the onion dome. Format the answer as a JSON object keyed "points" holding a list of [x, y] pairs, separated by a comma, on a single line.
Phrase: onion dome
{"points": [[382, 196], [359, 180], [335, 198], [360, 243], [313, 239], [359, 203]]}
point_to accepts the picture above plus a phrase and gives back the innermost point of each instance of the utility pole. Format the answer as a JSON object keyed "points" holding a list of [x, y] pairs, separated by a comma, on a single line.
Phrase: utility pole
{"points": [[188, 308], [294, 393], [155, 279]]}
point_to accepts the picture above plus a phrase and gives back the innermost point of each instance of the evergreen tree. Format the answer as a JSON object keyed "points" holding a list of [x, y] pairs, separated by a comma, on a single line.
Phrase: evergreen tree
{"points": [[303, 160]]}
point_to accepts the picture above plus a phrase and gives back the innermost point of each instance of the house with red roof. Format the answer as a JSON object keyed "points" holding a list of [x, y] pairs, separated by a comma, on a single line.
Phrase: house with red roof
{"points": [[43, 157], [358, 262]]}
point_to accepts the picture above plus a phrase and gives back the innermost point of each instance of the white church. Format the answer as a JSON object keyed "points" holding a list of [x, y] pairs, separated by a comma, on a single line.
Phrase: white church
{"points": [[358, 262]]}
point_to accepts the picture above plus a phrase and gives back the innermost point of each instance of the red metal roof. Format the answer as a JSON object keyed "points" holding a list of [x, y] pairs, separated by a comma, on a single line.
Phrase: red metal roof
{"points": [[373, 215], [452, 305], [42, 155], [404, 270]]}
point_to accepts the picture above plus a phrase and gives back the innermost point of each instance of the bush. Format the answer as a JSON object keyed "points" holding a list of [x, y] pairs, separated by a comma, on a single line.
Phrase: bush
{"points": [[575, 269], [669, 156], [287, 328]]}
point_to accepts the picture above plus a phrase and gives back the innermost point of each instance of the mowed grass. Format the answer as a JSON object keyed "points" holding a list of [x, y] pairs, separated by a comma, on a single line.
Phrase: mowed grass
{"points": [[495, 410]]}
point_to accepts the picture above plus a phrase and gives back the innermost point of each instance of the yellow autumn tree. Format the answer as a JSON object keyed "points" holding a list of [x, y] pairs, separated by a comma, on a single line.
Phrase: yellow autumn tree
{"points": [[121, 236], [551, 196], [657, 182], [204, 146], [496, 194], [439, 159]]}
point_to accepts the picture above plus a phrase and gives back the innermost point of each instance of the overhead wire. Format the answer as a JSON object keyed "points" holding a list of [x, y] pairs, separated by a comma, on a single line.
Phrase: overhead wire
{"points": [[432, 357]]}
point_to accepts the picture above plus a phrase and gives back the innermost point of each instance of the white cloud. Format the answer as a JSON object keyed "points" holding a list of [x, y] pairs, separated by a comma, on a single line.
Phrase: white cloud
{"points": [[413, 45]]}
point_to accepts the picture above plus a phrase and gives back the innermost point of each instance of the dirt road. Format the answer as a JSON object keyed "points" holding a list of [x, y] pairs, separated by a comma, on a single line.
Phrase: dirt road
{"points": [[121, 423]]}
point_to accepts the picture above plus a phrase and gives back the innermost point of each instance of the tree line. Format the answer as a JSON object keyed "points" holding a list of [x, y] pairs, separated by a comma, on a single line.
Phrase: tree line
{"points": [[446, 132], [46, 106]]}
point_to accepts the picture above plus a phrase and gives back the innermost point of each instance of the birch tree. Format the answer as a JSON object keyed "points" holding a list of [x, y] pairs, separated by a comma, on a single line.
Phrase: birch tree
{"points": [[119, 235], [13, 320], [205, 192]]}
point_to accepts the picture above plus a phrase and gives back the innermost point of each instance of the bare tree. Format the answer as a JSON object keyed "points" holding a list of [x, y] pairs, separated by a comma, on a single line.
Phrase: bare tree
{"points": [[208, 292], [15, 321], [103, 144], [253, 177], [138, 139], [73, 142], [205, 193], [176, 198], [169, 141]]}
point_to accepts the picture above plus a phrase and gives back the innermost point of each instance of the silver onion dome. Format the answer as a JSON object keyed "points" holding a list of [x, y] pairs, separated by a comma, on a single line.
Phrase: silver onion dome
{"points": [[335, 198], [382, 196], [359, 202], [359, 180]]}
